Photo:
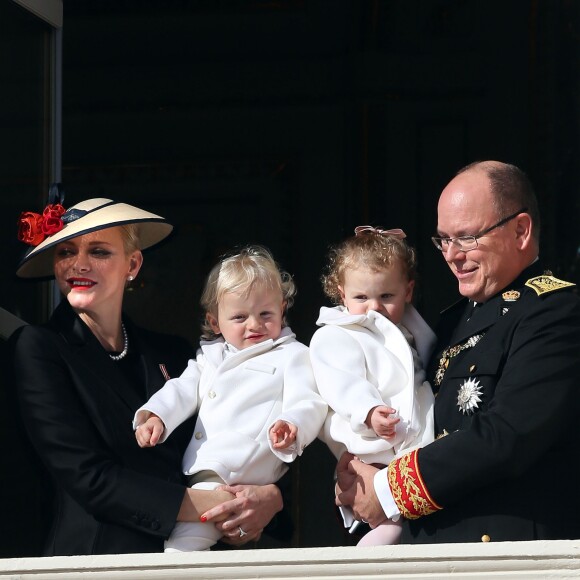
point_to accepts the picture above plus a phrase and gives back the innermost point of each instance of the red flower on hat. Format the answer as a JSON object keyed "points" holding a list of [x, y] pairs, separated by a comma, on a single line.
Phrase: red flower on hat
{"points": [[34, 227], [30, 228], [51, 222]]}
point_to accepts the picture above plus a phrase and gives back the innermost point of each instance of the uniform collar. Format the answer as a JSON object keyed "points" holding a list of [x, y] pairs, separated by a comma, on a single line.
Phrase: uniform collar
{"points": [[486, 314]]}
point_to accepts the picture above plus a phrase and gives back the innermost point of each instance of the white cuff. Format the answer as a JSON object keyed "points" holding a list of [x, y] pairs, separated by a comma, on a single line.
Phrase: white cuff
{"points": [[347, 515], [384, 495]]}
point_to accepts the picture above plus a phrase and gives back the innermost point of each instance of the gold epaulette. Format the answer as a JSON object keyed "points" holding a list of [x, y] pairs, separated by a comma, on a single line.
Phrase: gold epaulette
{"points": [[545, 284]]}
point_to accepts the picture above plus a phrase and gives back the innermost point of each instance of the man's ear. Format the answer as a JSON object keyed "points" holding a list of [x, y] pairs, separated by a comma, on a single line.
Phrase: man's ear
{"points": [[524, 230], [213, 323]]}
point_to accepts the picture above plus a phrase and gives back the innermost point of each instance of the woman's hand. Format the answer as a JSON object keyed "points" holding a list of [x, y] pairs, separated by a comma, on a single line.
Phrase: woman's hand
{"points": [[197, 501], [249, 512]]}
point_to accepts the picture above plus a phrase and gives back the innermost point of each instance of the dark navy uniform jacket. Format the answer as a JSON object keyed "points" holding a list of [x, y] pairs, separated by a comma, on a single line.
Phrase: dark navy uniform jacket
{"points": [[507, 463]]}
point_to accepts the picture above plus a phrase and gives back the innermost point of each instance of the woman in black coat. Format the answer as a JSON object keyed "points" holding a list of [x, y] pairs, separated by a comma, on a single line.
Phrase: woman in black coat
{"points": [[81, 376]]}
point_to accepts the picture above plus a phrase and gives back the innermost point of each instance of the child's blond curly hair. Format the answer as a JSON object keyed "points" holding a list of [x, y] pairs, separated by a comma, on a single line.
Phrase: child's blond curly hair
{"points": [[373, 249], [240, 273]]}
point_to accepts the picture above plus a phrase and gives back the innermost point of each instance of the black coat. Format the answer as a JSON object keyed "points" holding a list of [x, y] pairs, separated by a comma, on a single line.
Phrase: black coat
{"points": [[111, 496], [508, 470]]}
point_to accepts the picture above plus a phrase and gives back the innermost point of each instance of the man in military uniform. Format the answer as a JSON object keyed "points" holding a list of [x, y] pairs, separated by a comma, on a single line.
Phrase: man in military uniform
{"points": [[506, 372]]}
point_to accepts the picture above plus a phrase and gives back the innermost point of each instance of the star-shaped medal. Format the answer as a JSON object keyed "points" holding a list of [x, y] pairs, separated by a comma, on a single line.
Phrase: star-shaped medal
{"points": [[468, 396]]}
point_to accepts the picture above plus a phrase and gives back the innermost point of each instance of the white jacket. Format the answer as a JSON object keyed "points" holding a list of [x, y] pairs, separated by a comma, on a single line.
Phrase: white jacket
{"points": [[238, 399], [361, 361]]}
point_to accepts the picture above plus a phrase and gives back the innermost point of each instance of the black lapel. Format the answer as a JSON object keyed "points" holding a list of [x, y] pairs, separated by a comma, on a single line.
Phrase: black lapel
{"points": [[477, 320], [88, 355], [155, 369]]}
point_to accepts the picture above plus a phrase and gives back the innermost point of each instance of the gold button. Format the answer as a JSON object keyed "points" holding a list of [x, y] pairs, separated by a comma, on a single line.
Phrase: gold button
{"points": [[199, 435], [211, 394], [485, 538], [472, 368]]}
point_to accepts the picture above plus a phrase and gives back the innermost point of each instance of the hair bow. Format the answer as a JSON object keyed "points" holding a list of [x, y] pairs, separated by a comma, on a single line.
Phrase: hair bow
{"points": [[364, 230]]}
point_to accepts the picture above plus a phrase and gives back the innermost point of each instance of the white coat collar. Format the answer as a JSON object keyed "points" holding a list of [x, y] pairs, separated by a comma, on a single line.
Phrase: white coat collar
{"points": [[424, 337], [213, 349]]}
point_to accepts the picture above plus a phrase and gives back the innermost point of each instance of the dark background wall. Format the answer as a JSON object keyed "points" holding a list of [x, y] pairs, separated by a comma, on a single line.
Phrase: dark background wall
{"points": [[289, 122]]}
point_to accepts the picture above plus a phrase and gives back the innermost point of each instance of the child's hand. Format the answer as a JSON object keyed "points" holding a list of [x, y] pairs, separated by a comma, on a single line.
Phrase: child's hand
{"points": [[382, 421], [148, 433], [283, 434]]}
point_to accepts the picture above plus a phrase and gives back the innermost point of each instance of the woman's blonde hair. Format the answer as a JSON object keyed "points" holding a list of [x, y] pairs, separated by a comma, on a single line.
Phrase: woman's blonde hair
{"points": [[240, 273], [372, 250], [131, 239]]}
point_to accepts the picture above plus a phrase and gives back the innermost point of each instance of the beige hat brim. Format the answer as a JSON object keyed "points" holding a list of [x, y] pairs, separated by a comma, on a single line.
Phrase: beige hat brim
{"points": [[90, 216]]}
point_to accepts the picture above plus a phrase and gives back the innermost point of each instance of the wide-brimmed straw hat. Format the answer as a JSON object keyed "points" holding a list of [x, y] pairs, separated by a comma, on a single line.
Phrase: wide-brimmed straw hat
{"points": [[90, 216]]}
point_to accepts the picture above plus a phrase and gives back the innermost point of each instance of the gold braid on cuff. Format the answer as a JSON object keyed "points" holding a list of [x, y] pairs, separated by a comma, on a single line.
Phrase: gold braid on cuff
{"points": [[409, 491]]}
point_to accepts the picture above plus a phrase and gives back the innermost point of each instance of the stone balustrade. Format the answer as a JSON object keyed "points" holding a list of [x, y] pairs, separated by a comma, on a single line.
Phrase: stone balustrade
{"points": [[506, 560]]}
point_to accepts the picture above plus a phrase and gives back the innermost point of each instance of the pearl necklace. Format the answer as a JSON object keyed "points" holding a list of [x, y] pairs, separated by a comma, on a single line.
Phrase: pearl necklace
{"points": [[125, 350]]}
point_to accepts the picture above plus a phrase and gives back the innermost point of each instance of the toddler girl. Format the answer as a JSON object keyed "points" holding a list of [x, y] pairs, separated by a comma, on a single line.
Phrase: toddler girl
{"points": [[368, 356]]}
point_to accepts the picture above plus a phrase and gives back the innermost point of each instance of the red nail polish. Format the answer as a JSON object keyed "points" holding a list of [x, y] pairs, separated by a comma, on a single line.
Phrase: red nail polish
{"points": [[202, 519]]}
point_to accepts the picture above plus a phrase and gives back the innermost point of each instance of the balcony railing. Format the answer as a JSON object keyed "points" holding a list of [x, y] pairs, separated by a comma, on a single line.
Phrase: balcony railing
{"points": [[505, 560]]}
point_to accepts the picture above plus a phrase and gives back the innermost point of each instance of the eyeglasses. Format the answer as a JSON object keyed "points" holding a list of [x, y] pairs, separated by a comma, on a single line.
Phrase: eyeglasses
{"points": [[466, 243]]}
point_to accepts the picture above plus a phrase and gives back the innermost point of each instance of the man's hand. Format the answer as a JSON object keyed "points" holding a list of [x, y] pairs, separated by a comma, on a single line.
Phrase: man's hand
{"points": [[355, 488], [345, 479]]}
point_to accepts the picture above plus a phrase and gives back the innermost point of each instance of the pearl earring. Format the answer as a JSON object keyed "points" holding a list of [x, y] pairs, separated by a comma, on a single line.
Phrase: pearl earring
{"points": [[130, 278]]}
